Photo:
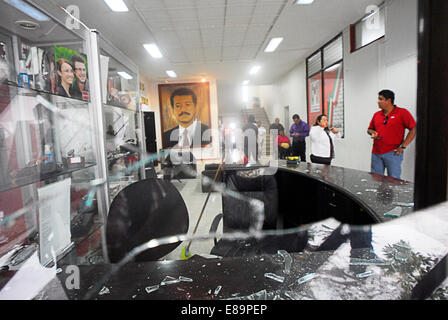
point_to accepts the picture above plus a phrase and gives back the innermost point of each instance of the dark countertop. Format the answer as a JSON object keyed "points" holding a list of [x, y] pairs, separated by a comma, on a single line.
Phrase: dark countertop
{"points": [[376, 193], [400, 256], [403, 252]]}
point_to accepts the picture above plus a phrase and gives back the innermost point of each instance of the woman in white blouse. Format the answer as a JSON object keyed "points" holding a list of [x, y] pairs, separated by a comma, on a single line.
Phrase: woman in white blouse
{"points": [[322, 141]]}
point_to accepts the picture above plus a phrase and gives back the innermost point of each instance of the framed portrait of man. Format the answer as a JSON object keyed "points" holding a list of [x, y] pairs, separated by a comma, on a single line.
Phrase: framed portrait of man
{"points": [[185, 115]]}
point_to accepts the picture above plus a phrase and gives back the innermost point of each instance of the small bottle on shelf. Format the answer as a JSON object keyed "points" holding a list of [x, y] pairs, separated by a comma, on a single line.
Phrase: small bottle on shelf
{"points": [[24, 78]]}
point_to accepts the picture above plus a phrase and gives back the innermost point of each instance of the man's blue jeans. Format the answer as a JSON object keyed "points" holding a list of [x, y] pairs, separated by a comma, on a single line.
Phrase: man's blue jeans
{"points": [[388, 161]]}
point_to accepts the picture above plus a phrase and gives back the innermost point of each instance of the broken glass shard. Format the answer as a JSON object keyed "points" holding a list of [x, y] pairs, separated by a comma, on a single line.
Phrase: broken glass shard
{"points": [[364, 274], [306, 278], [402, 252], [169, 280], [185, 279], [218, 288], [105, 290], [152, 288], [404, 204], [287, 259], [395, 213], [369, 262], [274, 277]]}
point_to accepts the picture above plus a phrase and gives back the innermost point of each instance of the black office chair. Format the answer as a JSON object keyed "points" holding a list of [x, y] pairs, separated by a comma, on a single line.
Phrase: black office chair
{"points": [[142, 211], [179, 165], [238, 216]]}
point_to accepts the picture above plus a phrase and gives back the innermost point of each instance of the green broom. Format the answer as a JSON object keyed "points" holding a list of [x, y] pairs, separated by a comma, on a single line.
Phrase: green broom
{"points": [[186, 254]]}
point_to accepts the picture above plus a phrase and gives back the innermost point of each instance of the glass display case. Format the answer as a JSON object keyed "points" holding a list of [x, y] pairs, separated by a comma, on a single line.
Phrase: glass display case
{"points": [[122, 119], [51, 195]]}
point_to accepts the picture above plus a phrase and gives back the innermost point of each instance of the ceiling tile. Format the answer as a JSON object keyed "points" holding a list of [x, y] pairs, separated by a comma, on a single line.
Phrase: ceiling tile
{"points": [[212, 54], [195, 54], [238, 20], [248, 52], [175, 4], [148, 4], [177, 56], [211, 23], [210, 12], [230, 53], [238, 10]]}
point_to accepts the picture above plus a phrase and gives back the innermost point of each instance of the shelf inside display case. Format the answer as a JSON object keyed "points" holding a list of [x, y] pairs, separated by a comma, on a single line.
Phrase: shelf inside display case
{"points": [[34, 176]]}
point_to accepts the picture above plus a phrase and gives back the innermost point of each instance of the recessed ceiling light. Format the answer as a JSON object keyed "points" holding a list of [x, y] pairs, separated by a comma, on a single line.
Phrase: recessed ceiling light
{"points": [[304, 1], [28, 9], [245, 82], [117, 5], [203, 80], [153, 50], [28, 25], [124, 75], [171, 73], [273, 44], [254, 69]]}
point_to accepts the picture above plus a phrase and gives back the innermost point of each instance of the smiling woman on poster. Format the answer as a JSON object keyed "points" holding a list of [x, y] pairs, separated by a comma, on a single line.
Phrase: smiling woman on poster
{"points": [[66, 75]]}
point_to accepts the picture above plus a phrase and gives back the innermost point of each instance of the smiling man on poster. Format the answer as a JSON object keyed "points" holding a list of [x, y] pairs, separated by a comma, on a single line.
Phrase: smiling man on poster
{"points": [[190, 132]]}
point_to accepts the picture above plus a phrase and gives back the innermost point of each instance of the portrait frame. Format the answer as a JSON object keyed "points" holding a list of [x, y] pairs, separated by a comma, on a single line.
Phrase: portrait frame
{"points": [[167, 117]]}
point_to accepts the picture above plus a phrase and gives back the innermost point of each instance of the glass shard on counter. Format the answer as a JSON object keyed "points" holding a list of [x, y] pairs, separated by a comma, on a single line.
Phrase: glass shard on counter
{"points": [[218, 288], [274, 277], [169, 280], [287, 260], [104, 290], [185, 279], [306, 278], [364, 274], [396, 212], [152, 288]]}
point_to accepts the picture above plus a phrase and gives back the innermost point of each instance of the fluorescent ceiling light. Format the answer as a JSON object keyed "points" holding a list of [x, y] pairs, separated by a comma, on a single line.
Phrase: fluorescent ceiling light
{"points": [[245, 82], [117, 5], [304, 1], [254, 69], [124, 75], [273, 44], [153, 50], [171, 73], [28, 9]]}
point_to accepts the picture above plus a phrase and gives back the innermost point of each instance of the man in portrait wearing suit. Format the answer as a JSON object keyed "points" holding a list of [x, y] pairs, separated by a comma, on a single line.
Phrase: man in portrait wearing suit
{"points": [[190, 132]]}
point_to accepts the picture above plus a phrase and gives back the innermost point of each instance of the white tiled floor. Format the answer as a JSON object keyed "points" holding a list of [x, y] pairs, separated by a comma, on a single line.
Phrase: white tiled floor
{"points": [[190, 190]]}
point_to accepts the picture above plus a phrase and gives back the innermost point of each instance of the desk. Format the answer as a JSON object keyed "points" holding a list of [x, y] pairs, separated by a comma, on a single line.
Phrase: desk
{"points": [[402, 253], [351, 196], [339, 274]]}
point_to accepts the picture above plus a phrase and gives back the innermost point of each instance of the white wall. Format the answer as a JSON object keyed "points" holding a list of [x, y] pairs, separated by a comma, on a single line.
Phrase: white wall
{"points": [[390, 63]]}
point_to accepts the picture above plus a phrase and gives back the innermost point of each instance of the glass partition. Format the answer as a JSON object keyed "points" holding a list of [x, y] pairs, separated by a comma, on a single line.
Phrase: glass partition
{"points": [[48, 139], [121, 123]]}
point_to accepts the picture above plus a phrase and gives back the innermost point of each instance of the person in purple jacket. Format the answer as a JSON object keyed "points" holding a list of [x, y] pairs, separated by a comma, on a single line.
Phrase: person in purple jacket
{"points": [[299, 131]]}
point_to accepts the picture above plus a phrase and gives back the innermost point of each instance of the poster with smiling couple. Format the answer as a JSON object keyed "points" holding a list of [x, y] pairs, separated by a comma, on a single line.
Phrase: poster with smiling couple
{"points": [[186, 117], [71, 70]]}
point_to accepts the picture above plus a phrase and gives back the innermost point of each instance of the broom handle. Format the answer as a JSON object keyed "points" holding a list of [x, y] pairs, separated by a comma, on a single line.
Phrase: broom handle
{"points": [[205, 203]]}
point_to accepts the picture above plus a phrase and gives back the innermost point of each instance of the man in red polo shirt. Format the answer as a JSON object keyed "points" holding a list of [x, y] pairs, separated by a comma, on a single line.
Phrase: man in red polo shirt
{"points": [[387, 129]]}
